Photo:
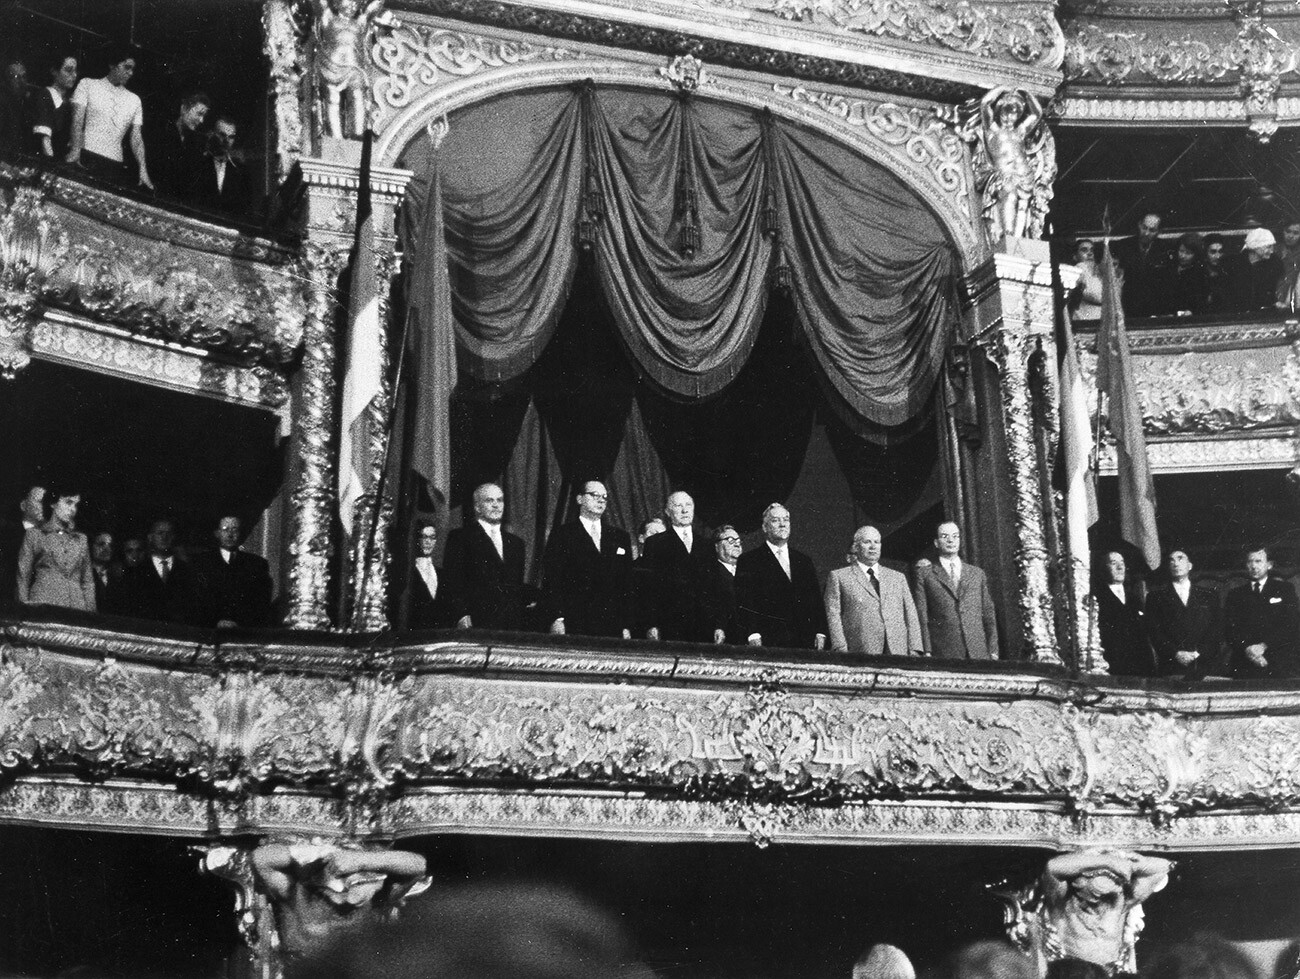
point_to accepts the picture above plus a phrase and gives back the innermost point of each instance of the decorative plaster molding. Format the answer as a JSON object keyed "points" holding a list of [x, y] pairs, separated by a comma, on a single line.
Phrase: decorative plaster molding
{"points": [[723, 37], [921, 134], [1217, 389], [1146, 112], [1210, 455], [78, 343], [221, 739], [1026, 33], [416, 57]]}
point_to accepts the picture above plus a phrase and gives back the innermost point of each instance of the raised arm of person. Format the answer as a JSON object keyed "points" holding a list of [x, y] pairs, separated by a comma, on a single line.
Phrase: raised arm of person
{"points": [[137, 148]]}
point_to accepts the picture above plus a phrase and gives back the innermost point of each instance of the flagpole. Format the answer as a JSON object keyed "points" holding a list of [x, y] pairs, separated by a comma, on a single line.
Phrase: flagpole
{"points": [[390, 422]]}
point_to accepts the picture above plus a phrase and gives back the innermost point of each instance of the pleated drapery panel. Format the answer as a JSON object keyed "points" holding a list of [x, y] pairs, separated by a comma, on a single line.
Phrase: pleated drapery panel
{"points": [[873, 276], [688, 205], [512, 183], [688, 315]]}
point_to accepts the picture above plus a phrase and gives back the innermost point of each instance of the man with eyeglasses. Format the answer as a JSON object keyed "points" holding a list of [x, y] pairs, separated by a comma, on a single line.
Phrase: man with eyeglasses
{"points": [[720, 587], [586, 587]]}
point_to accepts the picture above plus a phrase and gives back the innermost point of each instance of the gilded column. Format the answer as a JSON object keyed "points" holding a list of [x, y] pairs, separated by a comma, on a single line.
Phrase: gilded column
{"points": [[332, 187], [312, 498], [282, 42], [1013, 315]]}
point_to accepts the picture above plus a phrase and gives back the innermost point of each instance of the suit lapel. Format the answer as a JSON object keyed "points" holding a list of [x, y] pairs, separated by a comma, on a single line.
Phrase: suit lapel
{"points": [[486, 541], [864, 582], [941, 573]]}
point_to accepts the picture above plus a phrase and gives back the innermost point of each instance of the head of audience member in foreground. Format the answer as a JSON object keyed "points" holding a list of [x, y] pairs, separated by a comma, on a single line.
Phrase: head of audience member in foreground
{"points": [[884, 962], [1206, 956], [989, 960], [491, 931]]}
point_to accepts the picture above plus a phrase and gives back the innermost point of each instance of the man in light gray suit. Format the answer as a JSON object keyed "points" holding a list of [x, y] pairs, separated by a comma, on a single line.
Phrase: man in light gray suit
{"points": [[958, 620], [869, 608]]}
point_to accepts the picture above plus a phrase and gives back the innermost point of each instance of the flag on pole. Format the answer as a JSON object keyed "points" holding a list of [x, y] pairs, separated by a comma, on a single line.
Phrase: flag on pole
{"points": [[1137, 492], [429, 375], [362, 366], [1076, 444]]}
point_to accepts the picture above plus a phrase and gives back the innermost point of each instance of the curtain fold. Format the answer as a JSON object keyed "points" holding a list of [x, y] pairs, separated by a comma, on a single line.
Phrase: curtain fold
{"points": [[873, 275], [681, 252], [683, 202], [511, 212]]}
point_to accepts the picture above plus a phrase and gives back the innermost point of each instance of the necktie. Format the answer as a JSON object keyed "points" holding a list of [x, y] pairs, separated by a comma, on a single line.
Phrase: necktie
{"points": [[875, 582], [1256, 587], [595, 536], [783, 558], [686, 538], [166, 568], [497, 543]]}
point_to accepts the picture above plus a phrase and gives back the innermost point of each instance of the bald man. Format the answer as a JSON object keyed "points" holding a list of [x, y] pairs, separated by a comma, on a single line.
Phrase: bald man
{"points": [[869, 608], [485, 563], [777, 600]]}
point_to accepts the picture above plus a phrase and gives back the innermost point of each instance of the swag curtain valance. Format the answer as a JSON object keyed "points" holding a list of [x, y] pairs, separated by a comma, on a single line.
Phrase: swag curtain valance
{"points": [[690, 207]]}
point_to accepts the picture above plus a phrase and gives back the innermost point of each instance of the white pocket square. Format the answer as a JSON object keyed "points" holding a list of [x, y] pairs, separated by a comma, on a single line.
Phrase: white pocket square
{"points": [[1274, 600], [621, 551]]}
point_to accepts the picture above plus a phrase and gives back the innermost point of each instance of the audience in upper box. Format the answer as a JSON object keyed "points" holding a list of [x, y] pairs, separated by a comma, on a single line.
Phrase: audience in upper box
{"points": [[1217, 297], [1146, 262], [1258, 271], [176, 147], [97, 127], [52, 117], [105, 115], [1087, 299]]}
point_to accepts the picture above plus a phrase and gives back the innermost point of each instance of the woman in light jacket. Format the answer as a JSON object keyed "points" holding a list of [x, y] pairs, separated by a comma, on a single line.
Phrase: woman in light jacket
{"points": [[54, 562]]}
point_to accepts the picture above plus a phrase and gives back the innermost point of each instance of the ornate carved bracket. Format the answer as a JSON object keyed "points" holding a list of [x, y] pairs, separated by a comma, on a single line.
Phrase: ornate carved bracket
{"points": [[1086, 905]]}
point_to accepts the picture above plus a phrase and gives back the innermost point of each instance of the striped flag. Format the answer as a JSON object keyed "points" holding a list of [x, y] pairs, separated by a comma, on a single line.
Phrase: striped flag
{"points": [[362, 368], [1076, 444], [1137, 491]]}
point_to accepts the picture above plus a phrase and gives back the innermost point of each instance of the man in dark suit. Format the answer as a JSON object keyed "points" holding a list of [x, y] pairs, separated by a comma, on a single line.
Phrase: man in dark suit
{"points": [[777, 598], [587, 583], [720, 587], [103, 568], [677, 561], [32, 508], [1261, 619], [485, 563], [1121, 624], [426, 599], [233, 586], [954, 604], [1148, 266], [176, 147], [161, 587], [220, 181], [1184, 624]]}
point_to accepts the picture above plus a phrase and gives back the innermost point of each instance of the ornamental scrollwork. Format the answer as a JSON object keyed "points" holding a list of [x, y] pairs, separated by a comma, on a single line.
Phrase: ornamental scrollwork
{"points": [[1112, 56], [921, 135], [1187, 393], [31, 250], [1026, 33], [412, 57], [283, 34]]}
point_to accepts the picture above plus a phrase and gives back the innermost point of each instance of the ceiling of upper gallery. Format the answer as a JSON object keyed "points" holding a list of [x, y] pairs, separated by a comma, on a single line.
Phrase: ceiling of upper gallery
{"points": [[1201, 179]]}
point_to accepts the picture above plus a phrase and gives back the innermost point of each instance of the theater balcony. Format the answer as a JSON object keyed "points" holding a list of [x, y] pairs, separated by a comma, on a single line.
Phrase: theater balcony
{"points": [[553, 189]]}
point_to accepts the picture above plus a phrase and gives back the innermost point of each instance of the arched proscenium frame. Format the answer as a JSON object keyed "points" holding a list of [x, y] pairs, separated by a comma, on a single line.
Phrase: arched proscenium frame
{"points": [[909, 141]]}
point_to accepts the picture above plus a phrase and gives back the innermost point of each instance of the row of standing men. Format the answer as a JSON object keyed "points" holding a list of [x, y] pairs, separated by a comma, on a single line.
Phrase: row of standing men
{"points": [[690, 585]]}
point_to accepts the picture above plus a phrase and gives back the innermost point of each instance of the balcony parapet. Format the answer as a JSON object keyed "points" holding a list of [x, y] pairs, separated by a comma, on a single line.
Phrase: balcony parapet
{"points": [[1216, 394], [136, 267], [180, 733]]}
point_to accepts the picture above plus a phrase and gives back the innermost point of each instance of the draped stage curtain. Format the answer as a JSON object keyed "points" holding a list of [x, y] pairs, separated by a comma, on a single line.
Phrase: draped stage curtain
{"points": [[663, 357]]}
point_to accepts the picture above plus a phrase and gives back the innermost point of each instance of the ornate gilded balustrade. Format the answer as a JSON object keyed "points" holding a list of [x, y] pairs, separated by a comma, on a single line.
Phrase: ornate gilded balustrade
{"points": [[182, 736], [114, 284], [1215, 395]]}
